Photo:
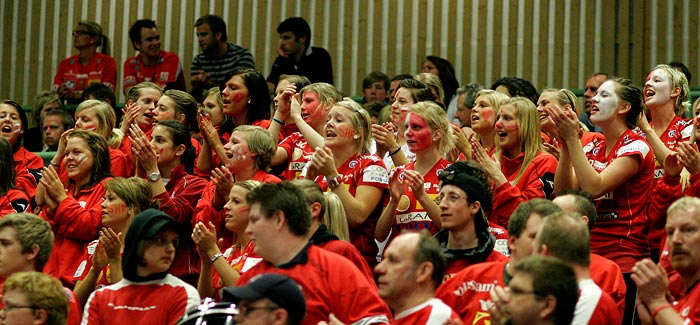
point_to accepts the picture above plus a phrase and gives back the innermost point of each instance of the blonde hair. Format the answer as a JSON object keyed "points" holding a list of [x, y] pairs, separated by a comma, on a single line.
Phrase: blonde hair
{"points": [[567, 97], [495, 98], [335, 218], [42, 292], [433, 82], [107, 120], [437, 121], [135, 92], [678, 79], [217, 96], [134, 191], [327, 94], [362, 123], [260, 142], [528, 121]]}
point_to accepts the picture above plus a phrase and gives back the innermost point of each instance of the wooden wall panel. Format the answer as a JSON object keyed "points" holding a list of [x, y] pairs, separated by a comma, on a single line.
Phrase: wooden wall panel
{"points": [[553, 43]]}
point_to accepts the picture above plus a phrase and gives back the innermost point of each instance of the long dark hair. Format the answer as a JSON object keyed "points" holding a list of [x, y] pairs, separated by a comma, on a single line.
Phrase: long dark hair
{"points": [[259, 106], [181, 136], [447, 75], [7, 168]]}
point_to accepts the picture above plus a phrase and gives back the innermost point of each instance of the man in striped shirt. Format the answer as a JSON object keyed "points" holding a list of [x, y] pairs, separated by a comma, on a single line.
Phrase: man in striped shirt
{"points": [[218, 57]]}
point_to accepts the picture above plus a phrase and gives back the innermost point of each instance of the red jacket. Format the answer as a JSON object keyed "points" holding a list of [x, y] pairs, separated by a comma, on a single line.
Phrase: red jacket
{"points": [[536, 182], [607, 275], [326, 240], [75, 224], [28, 167], [178, 201], [331, 284], [13, 201]]}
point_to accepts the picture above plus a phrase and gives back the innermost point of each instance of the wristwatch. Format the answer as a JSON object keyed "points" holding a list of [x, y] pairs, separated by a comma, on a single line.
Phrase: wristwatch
{"points": [[154, 177], [334, 182]]}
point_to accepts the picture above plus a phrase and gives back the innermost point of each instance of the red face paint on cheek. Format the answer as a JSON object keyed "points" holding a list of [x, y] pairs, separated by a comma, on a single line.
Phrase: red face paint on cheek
{"points": [[116, 209], [237, 97], [345, 132], [511, 127], [487, 114], [244, 209], [418, 133]]}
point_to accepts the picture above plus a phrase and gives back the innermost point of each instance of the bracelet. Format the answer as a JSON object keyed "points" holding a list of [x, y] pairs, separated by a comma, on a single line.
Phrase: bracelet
{"points": [[394, 152], [215, 257], [278, 120], [658, 310], [54, 164]]}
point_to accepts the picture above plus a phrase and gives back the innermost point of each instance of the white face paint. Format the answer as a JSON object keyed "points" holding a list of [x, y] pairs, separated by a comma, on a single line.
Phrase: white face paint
{"points": [[605, 103], [657, 88]]}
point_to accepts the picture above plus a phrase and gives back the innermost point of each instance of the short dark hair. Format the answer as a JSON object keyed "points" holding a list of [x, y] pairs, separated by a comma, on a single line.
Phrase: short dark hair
{"points": [[216, 25], [518, 87], [376, 76], [428, 250], [101, 92], [684, 69], [551, 276], [566, 237], [298, 26], [286, 198], [469, 91], [583, 202], [135, 30], [519, 217], [31, 231], [66, 118]]}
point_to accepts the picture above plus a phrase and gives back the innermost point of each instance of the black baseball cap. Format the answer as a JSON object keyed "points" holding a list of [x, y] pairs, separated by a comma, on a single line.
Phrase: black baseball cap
{"points": [[280, 289]]}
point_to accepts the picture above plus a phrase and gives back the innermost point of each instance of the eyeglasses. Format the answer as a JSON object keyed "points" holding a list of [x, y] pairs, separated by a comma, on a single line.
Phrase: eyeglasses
{"points": [[246, 310], [10, 307], [80, 32], [452, 198]]}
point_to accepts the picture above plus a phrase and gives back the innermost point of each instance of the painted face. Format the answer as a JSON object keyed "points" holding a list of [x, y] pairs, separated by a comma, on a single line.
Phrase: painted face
{"points": [[166, 150], [396, 272], [312, 111], [148, 100], [159, 253], [521, 247], [205, 38], [281, 86], [87, 120], [429, 67], [12, 259], [237, 210], [53, 128], [115, 213], [150, 42], [683, 231], [483, 115], [418, 134], [238, 153], [261, 231], [523, 304], [216, 112], [463, 113], [592, 85], [10, 123], [166, 110], [339, 128], [49, 107], [400, 106], [235, 96], [657, 89], [290, 44], [78, 160], [454, 208], [605, 103], [507, 128], [16, 311], [375, 92]]}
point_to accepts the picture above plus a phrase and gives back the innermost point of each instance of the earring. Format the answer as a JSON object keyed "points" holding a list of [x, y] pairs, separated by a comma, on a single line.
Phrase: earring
{"points": [[355, 136], [249, 99]]}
